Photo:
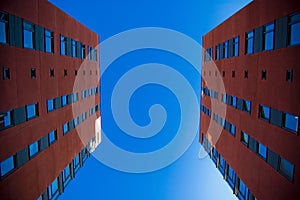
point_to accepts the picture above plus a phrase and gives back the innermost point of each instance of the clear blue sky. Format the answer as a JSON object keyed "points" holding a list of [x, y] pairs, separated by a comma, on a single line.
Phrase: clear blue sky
{"points": [[189, 177]]}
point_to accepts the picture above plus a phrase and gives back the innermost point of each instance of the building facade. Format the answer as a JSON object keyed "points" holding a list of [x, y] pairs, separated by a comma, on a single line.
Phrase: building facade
{"points": [[50, 98], [254, 54]]}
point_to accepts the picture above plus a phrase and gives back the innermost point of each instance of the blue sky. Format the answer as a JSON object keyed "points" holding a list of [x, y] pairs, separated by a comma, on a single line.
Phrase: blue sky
{"points": [[188, 177]]}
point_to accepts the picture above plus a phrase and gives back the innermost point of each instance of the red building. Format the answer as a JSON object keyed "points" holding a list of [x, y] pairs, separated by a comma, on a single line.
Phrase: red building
{"points": [[49, 98], [255, 53]]}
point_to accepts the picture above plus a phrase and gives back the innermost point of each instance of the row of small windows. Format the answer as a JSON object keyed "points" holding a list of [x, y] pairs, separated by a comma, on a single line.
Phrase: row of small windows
{"points": [[59, 184], [21, 33], [18, 115], [280, 33], [93, 110], [59, 102], [205, 110], [238, 103], [33, 73], [236, 184], [288, 74], [210, 93], [279, 118], [90, 92], [20, 158], [70, 125], [280, 164], [231, 128]]}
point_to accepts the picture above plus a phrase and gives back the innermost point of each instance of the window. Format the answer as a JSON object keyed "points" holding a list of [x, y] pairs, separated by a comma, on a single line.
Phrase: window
{"points": [[6, 73], [76, 163], [286, 168], [246, 74], [7, 165], [289, 75], [233, 101], [224, 98], [33, 72], [246, 106], [50, 105], [233, 74], [49, 41], [82, 51], [31, 111], [218, 52], [75, 72], [242, 189], [249, 42], [245, 138], [262, 151], [65, 72], [65, 128], [33, 149], [223, 73], [74, 49], [232, 129], [28, 35], [52, 136], [90, 52], [208, 54], [236, 46], [230, 177], [75, 97], [4, 28], [7, 118], [53, 190], [66, 175], [222, 165], [51, 72], [64, 100], [63, 45], [264, 112], [294, 29], [290, 122], [263, 75], [225, 50], [268, 36]]}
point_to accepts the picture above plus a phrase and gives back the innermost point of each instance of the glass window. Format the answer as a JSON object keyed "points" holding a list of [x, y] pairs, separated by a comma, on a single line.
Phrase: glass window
{"points": [[33, 72], [50, 105], [236, 46], [246, 106], [7, 165], [66, 175], [49, 41], [222, 164], [268, 36], [289, 75], [51, 72], [218, 52], [224, 98], [28, 35], [74, 49], [294, 29], [234, 101], [3, 27], [290, 122], [232, 131], [82, 51], [262, 150], [242, 188], [31, 111], [65, 128], [64, 100], [245, 138], [286, 168], [76, 163], [249, 42], [264, 112], [7, 121], [53, 190], [90, 52], [231, 177], [63, 45], [225, 50], [75, 97], [33, 149], [6, 73], [52, 136], [208, 54]]}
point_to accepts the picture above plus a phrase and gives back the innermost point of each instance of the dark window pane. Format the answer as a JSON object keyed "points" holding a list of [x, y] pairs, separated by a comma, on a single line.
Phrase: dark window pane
{"points": [[6, 73], [245, 138], [286, 168]]}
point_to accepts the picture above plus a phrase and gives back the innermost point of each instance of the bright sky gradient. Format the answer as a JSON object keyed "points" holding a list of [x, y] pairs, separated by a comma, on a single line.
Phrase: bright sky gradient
{"points": [[188, 178]]}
